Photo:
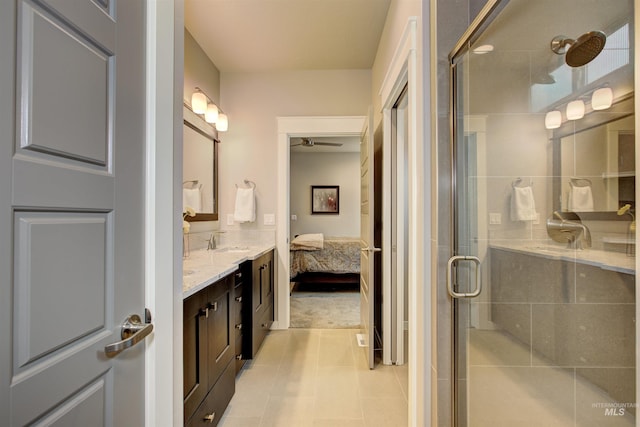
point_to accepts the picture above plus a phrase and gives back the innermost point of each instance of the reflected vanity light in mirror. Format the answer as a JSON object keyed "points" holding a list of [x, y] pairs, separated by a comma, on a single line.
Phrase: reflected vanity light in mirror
{"points": [[602, 98], [481, 50], [575, 110], [553, 119]]}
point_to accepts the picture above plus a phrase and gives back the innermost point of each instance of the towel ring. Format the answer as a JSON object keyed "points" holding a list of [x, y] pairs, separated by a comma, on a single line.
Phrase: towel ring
{"points": [[251, 184], [518, 181]]}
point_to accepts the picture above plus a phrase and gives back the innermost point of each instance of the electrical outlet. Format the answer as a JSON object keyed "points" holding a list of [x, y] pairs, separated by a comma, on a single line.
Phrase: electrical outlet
{"points": [[495, 218], [269, 219], [294, 217]]}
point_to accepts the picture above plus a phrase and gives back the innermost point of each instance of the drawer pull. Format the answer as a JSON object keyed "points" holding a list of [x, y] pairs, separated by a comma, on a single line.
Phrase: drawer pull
{"points": [[204, 312], [213, 306], [264, 325], [209, 417], [239, 357], [239, 326], [239, 299]]}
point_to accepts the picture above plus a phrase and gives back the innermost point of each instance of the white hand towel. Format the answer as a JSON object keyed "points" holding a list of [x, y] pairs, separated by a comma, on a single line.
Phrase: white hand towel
{"points": [[580, 199], [191, 197], [523, 206], [245, 205]]}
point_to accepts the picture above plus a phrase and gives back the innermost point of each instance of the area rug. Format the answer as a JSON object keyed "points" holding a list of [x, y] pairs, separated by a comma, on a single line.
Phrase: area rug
{"points": [[325, 310]]}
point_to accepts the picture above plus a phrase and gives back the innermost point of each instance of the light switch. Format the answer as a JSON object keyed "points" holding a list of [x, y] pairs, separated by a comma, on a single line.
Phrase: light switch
{"points": [[495, 218], [294, 217], [269, 219]]}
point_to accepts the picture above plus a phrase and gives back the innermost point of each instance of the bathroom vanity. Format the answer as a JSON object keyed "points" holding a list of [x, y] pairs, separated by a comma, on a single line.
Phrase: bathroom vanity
{"points": [[574, 310], [219, 323]]}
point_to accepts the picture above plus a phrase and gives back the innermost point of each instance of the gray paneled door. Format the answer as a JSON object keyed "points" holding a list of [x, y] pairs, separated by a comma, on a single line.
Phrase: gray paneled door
{"points": [[72, 151]]}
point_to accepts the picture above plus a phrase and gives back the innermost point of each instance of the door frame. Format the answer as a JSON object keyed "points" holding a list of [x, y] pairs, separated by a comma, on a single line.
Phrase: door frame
{"points": [[289, 127], [163, 236], [402, 71]]}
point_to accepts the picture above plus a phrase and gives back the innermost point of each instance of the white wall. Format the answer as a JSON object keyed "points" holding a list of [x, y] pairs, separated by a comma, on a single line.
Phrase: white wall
{"points": [[252, 102], [341, 169]]}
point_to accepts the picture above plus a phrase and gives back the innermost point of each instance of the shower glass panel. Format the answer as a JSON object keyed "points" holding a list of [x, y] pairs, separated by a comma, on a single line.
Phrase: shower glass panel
{"points": [[544, 215]]}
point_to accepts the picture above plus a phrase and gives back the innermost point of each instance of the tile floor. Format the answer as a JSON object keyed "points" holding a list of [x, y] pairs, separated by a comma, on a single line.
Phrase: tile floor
{"points": [[316, 378]]}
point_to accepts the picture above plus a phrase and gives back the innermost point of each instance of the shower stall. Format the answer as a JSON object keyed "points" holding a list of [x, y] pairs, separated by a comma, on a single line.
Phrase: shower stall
{"points": [[542, 274]]}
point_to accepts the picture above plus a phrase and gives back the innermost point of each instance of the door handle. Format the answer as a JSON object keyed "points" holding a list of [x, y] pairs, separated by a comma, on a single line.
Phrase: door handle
{"points": [[369, 249], [133, 331], [478, 288]]}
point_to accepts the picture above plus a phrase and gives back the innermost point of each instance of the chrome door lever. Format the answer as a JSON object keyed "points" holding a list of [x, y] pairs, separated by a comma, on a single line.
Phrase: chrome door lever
{"points": [[132, 332]]}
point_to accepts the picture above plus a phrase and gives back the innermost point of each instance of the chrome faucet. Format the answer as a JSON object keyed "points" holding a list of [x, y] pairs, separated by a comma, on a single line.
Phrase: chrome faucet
{"points": [[566, 227], [211, 242]]}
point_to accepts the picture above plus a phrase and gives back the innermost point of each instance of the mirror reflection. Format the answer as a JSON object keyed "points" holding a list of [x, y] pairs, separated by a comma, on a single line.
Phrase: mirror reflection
{"points": [[199, 181], [598, 167]]}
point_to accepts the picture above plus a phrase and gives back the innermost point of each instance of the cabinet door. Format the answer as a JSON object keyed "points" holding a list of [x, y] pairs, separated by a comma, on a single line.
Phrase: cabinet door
{"points": [[266, 279], [221, 335], [257, 293], [195, 385]]}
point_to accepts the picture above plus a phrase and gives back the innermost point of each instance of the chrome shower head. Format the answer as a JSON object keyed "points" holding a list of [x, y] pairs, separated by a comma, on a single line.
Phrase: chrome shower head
{"points": [[580, 51]]}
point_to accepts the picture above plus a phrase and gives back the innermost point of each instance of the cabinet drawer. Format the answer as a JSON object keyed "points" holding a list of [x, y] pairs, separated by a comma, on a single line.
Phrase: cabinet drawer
{"points": [[217, 400], [261, 327]]}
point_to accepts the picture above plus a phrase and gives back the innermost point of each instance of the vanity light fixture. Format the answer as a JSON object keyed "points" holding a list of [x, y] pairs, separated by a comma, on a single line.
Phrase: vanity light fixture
{"points": [[199, 102], [575, 110], [211, 115], [602, 98], [553, 119], [223, 122], [202, 104]]}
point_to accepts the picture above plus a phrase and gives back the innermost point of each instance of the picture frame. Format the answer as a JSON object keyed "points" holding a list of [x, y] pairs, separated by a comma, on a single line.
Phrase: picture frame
{"points": [[325, 199]]}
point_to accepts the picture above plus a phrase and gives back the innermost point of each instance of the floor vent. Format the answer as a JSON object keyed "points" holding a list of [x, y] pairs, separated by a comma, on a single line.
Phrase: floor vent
{"points": [[361, 341]]}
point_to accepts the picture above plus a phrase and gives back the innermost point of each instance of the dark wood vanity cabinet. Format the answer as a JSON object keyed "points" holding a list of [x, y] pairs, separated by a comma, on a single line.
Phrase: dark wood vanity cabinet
{"points": [[259, 304], [242, 277], [209, 349]]}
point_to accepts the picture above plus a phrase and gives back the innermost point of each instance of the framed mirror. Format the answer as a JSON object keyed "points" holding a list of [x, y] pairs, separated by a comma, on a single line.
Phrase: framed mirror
{"points": [[594, 162], [199, 168]]}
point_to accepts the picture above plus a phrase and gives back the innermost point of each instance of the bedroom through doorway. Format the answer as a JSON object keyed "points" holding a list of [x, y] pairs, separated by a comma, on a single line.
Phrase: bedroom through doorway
{"points": [[324, 206]]}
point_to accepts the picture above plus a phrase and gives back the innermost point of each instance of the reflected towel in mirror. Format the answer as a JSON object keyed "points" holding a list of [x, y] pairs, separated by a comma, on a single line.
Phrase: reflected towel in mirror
{"points": [[580, 199], [192, 197], [245, 205], [523, 206]]}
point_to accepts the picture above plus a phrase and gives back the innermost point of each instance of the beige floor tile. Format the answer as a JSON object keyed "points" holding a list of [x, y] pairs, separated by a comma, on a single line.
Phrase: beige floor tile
{"points": [[288, 412], [380, 382], [338, 423], [338, 406], [228, 421], [385, 411]]}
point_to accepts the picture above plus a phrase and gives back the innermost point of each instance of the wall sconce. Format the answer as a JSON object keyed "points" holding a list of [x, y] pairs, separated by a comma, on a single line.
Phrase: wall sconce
{"points": [[553, 119], [575, 110], [602, 98], [202, 104]]}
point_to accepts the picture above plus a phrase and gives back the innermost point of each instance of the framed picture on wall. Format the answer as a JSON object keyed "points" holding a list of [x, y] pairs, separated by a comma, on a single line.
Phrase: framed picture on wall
{"points": [[325, 199]]}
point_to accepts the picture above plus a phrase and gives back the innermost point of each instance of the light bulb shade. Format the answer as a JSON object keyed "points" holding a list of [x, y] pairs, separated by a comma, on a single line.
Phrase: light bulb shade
{"points": [[211, 115], [575, 110], [602, 98], [199, 102], [553, 119], [222, 125]]}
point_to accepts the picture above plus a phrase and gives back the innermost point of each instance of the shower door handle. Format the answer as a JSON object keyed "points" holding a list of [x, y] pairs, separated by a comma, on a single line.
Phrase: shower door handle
{"points": [[450, 267]]}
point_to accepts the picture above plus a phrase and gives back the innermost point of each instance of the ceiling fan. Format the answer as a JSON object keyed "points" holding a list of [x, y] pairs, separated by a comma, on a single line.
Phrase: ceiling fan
{"points": [[308, 142]]}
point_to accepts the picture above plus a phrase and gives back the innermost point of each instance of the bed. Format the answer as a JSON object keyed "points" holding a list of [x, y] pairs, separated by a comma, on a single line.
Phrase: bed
{"points": [[336, 260]]}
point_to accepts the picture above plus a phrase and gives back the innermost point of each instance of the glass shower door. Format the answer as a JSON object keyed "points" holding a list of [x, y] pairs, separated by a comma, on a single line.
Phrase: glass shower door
{"points": [[542, 274]]}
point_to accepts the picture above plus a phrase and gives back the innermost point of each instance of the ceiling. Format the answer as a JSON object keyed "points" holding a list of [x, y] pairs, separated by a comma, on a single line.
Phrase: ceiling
{"points": [[277, 35]]}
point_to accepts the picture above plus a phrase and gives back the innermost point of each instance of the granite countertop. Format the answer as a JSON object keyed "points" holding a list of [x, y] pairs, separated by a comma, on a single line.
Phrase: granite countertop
{"points": [[203, 267], [607, 260]]}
